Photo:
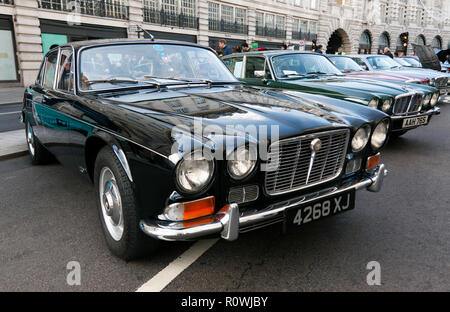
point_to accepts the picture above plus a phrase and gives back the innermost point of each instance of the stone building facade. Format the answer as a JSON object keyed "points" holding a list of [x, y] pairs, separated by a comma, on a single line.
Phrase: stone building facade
{"points": [[28, 28]]}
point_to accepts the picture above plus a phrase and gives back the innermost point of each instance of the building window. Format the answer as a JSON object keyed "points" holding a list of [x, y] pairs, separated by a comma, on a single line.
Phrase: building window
{"points": [[270, 25], [103, 8], [304, 30], [180, 13], [227, 18]]}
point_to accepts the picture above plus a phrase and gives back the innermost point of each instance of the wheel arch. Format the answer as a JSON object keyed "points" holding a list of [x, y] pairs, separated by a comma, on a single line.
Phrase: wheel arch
{"points": [[95, 143]]}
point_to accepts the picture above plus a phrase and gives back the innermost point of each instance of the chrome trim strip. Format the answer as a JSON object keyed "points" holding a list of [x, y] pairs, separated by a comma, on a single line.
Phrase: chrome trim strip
{"points": [[228, 224], [123, 161]]}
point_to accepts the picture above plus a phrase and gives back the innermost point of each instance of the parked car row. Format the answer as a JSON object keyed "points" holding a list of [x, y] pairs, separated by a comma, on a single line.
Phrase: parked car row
{"points": [[180, 145]]}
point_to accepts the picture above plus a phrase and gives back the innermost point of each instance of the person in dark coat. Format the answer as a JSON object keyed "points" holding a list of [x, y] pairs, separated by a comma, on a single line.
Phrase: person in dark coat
{"points": [[443, 55], [226, 50], [319, 49], [388, 52]]}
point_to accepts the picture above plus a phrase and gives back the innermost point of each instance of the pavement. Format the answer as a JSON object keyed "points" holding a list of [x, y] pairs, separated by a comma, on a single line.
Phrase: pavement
{"points": [[49, 219], [12, 95]]}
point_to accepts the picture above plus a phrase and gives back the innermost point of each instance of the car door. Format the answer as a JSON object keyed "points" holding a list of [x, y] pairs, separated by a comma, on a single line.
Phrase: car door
{"points": [[257, 72], [48, 108]]}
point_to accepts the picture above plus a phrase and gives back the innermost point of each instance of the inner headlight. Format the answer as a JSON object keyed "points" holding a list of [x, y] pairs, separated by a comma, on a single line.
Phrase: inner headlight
{"points": [[434, 99], [386, 105], [241, 164], [373, 103], [379, 135], [427, 99], [431, 82], [194, 172], [360, 138]]}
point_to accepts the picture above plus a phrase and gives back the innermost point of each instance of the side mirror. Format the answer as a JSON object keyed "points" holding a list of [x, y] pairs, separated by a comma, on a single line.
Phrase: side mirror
{"points": [[259, 73]]}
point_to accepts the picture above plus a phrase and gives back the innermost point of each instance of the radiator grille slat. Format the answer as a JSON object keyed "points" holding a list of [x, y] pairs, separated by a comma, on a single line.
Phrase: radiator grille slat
{"points": [[294, 156], [410, 103]]}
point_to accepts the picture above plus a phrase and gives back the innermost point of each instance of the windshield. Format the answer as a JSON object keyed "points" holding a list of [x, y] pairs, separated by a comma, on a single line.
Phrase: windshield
{"points": [[298, 65], [403, 62], [345, 64], [125, 65], [382, 62], [412, 61]]}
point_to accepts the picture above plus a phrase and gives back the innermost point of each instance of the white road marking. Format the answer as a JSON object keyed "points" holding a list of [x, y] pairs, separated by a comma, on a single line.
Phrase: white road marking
{"points": [[158, 282], [9, 113]]}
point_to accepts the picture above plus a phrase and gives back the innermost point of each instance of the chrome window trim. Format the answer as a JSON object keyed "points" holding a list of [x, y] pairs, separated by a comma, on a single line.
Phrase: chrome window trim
{"points": [[312, 135], [73, 67]]}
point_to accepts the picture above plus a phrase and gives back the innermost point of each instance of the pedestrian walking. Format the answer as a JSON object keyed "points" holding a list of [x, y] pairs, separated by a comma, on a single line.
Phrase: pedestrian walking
{"points": [[226, 50], [340, 51], [319, 49], [244, 47]]}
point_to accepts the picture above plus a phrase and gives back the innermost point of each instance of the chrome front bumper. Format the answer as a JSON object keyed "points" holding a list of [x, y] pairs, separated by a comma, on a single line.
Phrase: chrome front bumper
{"points": [[228, 224]]}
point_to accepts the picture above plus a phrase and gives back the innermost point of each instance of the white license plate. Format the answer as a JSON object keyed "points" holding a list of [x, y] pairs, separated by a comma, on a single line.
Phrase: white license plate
{"points": [[415, 121]]}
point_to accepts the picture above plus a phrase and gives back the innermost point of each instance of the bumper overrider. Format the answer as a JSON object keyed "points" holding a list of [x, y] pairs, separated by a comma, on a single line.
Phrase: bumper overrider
{"points": [[229, 222], [397, 121]]}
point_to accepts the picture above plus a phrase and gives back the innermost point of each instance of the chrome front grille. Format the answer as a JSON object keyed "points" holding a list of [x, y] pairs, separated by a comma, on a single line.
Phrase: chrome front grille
{"points": [[409, 103], [294, 166]]}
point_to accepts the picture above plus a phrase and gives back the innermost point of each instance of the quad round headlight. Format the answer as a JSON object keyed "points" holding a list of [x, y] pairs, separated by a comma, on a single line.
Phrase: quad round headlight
{"points": [[241, 164], [379, 135], [432, 81], [427, 99], [194, 172], [434, 99], [373, 103], [360, 138], [386, 105]]}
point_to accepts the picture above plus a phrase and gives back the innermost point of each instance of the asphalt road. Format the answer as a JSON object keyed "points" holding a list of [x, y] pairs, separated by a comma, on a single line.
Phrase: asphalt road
{"points": [[9, 117], [48, 218]]}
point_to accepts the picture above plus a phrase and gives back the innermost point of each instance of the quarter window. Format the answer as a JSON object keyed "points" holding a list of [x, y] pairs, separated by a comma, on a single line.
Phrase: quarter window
{"points": [[65, 74], [254, 64], [50, 69], [235, 66]]}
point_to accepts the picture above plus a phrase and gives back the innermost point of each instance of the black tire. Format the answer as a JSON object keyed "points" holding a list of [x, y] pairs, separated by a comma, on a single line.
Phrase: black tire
{"points": [[38, 153], [398, 134], [133, 243]]}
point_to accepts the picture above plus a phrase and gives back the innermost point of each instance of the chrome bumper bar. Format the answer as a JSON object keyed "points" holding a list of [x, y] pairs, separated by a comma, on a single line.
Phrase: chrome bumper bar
{"points": [[231, 222]]}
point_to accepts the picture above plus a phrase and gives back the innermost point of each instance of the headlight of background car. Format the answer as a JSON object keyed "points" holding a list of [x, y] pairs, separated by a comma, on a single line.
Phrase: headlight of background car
{"points": [[373, 103], [386, 105], [194, 172], [379, 135], [360, 138], [434, 99], [242, 164], [427, 99]]}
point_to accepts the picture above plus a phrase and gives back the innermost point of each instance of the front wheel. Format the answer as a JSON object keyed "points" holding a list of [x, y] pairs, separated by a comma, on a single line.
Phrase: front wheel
{"points": [[118, 211]]}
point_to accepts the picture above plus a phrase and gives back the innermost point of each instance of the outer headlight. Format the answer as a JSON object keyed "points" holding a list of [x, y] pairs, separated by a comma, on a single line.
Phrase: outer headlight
{"points": [[379, 135], [373, 103], [194, 172], [427, 99], [241, 165], [360, 138], [386, 105], [434, 99]]}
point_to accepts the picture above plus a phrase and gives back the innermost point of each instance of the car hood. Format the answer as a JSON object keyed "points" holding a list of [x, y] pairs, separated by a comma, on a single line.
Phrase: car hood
{"points": [[427, 57], [352, 85], [382, 76], [201, 113], [414, 72]]}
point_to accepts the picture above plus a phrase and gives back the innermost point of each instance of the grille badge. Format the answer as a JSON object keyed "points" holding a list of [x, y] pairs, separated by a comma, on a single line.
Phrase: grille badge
{"points": [[316, 145]]}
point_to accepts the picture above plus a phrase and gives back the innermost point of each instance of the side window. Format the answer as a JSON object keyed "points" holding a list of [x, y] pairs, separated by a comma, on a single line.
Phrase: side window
{"points": [[50, 69], [254, 64], [235, 65], [65, 71]]}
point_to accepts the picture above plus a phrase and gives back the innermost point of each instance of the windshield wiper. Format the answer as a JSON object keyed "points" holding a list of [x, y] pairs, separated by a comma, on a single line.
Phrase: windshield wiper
{"points": [[317, 73], [123, 80], [292, 75]]}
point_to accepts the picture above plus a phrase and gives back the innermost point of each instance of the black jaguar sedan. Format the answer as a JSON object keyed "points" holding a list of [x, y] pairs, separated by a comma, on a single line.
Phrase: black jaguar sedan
{"points": [[178, 149]]}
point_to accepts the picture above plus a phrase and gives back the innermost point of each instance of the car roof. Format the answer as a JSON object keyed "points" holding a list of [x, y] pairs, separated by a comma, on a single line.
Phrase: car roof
{"points": [[101, 42], [269, 53]]}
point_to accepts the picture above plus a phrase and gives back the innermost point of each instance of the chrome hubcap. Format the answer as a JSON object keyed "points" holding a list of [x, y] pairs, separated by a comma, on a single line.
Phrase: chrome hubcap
{"points": [[30, 140], [111, 203]]}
